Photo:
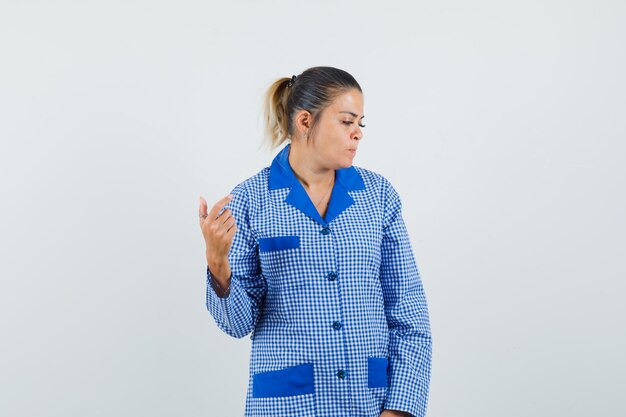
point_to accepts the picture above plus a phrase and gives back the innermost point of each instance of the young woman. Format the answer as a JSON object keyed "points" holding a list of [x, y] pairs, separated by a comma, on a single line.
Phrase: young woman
{"points": [[312, 258]]}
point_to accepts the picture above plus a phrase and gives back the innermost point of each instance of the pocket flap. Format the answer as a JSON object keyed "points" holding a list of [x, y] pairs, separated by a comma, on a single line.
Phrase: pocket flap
{"points": [[294, 380], [267, 244], [377, 372]]}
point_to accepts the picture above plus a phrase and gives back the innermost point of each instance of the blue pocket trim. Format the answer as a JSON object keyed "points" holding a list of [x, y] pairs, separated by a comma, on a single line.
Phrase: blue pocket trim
{"points": [[377, 372], [294, 380], [267, 244]]}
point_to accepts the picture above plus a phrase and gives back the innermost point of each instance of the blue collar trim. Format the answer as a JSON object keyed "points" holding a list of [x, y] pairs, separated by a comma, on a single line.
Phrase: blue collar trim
{"points": [[346, 179]]}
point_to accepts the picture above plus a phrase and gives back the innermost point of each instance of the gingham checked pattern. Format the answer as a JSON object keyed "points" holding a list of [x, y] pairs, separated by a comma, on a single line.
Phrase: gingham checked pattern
{"points": [[340, 296]]}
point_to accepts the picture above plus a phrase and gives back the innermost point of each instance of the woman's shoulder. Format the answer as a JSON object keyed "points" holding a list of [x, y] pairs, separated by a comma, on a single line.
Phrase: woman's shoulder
{"points": [[374, 180], [380, 188], [253, 183], [248, 194]]}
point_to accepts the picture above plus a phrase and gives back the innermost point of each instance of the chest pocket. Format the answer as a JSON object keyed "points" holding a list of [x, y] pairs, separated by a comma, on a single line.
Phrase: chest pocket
{"points": [[279, 255], [270, 244]]}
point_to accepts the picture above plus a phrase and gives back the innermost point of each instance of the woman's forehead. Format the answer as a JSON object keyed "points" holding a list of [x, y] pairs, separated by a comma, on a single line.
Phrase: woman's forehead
{"points": [[349, 102]]}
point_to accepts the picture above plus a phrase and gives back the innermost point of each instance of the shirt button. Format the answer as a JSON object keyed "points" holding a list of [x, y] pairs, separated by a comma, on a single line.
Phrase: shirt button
{"points": [[325, 230], [337, 325], [341, 374], [331, 276]]}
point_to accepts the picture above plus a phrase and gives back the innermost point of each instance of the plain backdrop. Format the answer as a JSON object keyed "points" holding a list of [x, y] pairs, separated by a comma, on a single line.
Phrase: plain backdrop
{"points": [[502, 124]]}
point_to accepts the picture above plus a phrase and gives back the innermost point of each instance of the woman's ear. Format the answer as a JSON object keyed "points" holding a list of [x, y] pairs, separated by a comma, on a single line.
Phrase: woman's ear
{"points": [[303, 121]]}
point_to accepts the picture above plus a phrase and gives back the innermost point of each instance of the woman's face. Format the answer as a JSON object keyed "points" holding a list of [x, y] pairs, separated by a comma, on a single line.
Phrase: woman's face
{"points": [[338, 132]]}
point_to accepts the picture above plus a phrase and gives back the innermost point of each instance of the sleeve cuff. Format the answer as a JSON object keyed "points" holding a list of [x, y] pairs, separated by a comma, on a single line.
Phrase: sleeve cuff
{"points": [[230, 311], [219, 291], [410, 379]]}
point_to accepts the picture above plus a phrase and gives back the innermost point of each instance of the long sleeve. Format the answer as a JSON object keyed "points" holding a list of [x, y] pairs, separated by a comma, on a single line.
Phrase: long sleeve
{"points": [[237, 313], [406, 310]]}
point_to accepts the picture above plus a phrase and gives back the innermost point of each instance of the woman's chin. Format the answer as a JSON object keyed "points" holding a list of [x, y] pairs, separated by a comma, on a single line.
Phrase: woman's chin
{"points": [[345, 164]]}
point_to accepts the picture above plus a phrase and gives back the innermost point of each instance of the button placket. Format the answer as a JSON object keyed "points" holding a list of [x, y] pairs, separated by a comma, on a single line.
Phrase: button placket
{"points": [[336, 325]]}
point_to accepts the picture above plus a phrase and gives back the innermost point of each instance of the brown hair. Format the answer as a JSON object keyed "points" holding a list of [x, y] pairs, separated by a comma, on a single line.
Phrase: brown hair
{"points": [[313, 90]]}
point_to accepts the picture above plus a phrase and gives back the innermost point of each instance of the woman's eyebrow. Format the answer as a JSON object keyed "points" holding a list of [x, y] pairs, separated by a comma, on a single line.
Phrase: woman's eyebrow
{"points": [[353, 114]]}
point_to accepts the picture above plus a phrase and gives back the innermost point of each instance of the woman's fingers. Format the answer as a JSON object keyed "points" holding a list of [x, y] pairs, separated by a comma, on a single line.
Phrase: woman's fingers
{"points": [[218, 231], [230, 222], [226, 214], [218, 206], [230, 233], [202, 211]]}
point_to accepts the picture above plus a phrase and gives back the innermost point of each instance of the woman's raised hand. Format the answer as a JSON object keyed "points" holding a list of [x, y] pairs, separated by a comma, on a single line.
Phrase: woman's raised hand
{"points": [[218, 232]]}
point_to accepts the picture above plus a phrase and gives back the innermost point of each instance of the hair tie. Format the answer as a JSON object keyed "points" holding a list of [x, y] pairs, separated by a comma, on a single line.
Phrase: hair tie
{"points": [[291, 81]]}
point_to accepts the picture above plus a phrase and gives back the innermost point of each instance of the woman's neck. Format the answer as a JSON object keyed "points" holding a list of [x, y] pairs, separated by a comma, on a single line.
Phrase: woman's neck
{"points": [[304, 166]]}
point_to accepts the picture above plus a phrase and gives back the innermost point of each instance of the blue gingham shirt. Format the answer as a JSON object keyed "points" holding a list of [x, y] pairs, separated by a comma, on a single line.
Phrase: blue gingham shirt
{"points": [[334, 306]]}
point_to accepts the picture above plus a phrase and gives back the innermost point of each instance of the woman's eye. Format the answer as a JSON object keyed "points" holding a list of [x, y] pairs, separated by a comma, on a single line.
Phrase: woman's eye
{"points": [[349, 123]]}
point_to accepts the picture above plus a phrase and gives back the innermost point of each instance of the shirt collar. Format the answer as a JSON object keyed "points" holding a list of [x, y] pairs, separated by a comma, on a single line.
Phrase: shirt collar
{"points": [[346, 179], [282, 176]]}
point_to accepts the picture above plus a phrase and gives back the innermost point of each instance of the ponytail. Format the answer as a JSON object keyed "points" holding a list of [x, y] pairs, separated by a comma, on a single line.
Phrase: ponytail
{"points": [[275, 112]]}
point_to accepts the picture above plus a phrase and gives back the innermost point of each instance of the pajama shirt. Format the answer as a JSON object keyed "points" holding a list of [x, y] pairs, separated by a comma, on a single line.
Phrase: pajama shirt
{"points": [[334, 305]]}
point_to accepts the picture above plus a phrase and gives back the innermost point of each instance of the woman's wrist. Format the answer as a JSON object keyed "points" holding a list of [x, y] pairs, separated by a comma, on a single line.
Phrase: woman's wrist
{"points": [[220, 270], [222, 291], [221, 286]]}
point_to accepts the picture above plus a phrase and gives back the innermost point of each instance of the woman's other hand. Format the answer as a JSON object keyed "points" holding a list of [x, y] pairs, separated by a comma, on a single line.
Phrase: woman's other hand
{"points": [[394, 413]]}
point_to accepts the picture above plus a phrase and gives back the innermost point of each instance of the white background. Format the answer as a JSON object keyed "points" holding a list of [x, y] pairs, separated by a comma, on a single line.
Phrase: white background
{"points": [[502, 125]]}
